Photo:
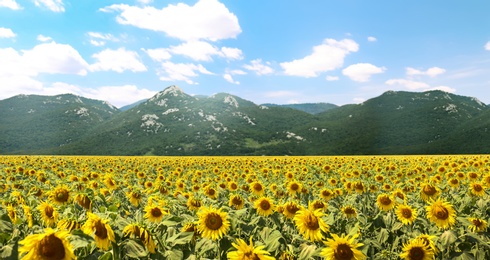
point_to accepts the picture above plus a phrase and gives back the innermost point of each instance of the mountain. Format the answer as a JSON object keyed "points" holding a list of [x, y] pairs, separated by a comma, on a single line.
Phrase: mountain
{"points": [[127, 107], [311, 108], [35, 124], [175, 123]]}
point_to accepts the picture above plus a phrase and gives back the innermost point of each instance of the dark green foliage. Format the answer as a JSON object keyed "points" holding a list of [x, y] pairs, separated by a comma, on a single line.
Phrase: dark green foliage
{"points": [[174, 123], [311, 108]]}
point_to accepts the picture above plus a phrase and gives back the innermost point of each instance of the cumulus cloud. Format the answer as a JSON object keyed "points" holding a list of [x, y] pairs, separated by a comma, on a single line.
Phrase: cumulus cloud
{"points": [[196, 50], [487, 46], [12, 4], [181, 71], [43, 38], [52, 5], [118, 95], [362, 72], [100, 39], [371, 39], [117, 60], [325, 57], [231, 53], [206, 20], [159, 54], [6, 33], [258, 67], [431, 72], [331, 78], [409, 84], [443, 88], [230, 79]]}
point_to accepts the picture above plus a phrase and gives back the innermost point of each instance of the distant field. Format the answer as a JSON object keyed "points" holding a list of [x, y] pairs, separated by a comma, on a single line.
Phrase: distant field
{"points": [[338, 207]]}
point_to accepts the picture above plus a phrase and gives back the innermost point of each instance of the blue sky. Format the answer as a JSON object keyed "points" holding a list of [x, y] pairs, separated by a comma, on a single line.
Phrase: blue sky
{"points": [[272, 51]]}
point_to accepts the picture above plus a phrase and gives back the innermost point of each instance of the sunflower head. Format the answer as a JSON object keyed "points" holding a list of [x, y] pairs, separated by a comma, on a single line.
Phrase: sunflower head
{"points": [[100, 229], [349, 211], [416, 249], [60, 195], [406, 214], [49, 245], [343, 247], [213, 223], [237, 202], [154, 213], [290, 208], [244, 251], [441, 213], [310, 224], [264, 206], [477, 225], [48, 214], [385, 202]]}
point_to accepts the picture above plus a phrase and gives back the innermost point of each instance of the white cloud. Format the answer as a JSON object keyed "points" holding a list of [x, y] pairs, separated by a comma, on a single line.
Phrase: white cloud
{"points": [[371, 39], [237, 72], [409, 84], [443, 88], [118, 95], [145, 2], [6, 33], [487, 46], [207, 19], [159, 54], [431, 72], [281, 94], [181, 71], [196, 50], [117, 60], [12, 4], [53, 5], [258, 67], [331, 78], [230, 79], [43, 38], [362, 72], [325, 57], [232, 53], [358, 100], [100, 39]]}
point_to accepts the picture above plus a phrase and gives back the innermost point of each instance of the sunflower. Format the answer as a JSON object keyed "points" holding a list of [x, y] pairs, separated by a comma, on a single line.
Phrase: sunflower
{"points": [[349, 211], [441, 213], [154, 213], [406, 214], [193, 203], [211, 192], [453, 182], [290, 209], [416, 249], [257, 188], [135, 197], [477, 225], [49, 245], [294, 187], [232, 186], [48, 214], [327, 194], [213, 223], [429, 191], [248, 252], [191, 227], [264, 206], [101, 231], [237, 202], [60, 195], [477, 189], [342, 248], [136, 231], [428, 240], [68, 224], [12, 213], [385, 202], [310, 224], [84, 201], [28, 215]]}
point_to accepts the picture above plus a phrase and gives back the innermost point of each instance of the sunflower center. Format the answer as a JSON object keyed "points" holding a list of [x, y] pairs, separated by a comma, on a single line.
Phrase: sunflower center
{"points": [[213, 221], [49, 211], [251, 255], [62, 196], [477, 187], [429, 190], [343, 252], [385, 200], [156, 212], [407, 213], [294, 186], [265, 205], [318, 205], [236, 201], [454, 181], [416, 253], [441, 212], [477, 222], [292, 208], [257, 187], [312, 222], [51, 247], [349, 210], [100, 230]]}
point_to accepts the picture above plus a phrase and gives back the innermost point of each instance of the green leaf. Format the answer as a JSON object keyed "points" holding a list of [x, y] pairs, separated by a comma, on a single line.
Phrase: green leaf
{"points": [[272, 240], [464, 256], [181, 238], [447, 238], [106, 256], [135, 248], [397, 226], [383, 235], [307, 252], [174, 255], [79, 239]]}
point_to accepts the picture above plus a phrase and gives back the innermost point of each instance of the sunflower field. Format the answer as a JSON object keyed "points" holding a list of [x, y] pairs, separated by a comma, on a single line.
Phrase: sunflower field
{"points": [[339, 207]]}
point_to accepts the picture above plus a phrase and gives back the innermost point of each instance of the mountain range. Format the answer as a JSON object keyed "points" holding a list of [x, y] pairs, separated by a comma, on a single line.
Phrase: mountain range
{"points": [[175, 123]]}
